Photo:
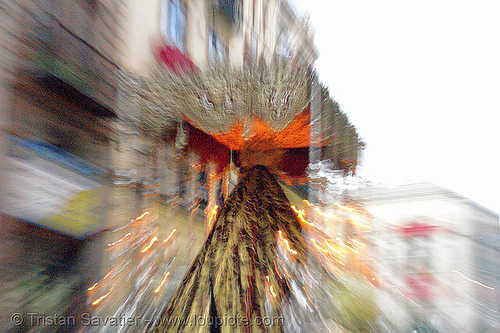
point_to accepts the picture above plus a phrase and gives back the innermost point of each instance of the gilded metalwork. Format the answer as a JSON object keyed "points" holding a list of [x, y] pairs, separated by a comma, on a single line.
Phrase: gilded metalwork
{"points": [[217, 99]]}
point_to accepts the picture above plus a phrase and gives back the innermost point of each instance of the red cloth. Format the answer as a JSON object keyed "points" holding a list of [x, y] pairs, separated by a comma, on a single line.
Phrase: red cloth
{"points": [[419, 289], [175, 59], [417, 229]]}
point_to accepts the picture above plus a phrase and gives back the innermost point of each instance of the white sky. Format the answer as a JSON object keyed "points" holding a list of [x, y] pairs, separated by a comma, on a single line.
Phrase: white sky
{"points": [[420, 80]]}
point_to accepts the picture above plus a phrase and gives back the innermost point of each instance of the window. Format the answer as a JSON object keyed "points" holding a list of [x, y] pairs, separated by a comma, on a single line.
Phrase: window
{"points": [[174, 27]]}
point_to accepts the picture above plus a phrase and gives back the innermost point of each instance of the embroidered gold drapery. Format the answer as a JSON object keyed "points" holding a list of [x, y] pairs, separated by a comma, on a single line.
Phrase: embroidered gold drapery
{"points": [[217, 99]]}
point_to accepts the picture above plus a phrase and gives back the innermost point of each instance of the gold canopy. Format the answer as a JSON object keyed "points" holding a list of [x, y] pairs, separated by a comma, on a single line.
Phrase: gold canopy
{"points": [[220, 98]]}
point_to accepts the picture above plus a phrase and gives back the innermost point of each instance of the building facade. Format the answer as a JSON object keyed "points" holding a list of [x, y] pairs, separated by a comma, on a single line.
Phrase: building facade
{"points": [[58, 82], [438, 258], [216, 31]]}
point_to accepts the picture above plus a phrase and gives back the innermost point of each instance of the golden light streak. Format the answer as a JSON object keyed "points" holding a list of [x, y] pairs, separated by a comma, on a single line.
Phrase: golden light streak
{"points": [[333, 248], [344, 207], [169, 236], [340, 262], [102, 297], [479, 283], [307, 294], [143, 214], [298, 211], [271, 287], [162, 282], [272, 291], [214, 210], [319, 247], [212, 214], [303, 220], [104, 278], [150, 244], [292, 251], [194, 210], [330, 216], [345, 245], [359, 224], [358, 242], [121, 239], [307, 203], [352, 249], [289, 248], [317, 210]]}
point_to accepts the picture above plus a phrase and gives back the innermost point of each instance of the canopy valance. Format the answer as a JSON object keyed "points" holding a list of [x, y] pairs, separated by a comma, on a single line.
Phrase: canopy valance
{"points": [[230, 104]]}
